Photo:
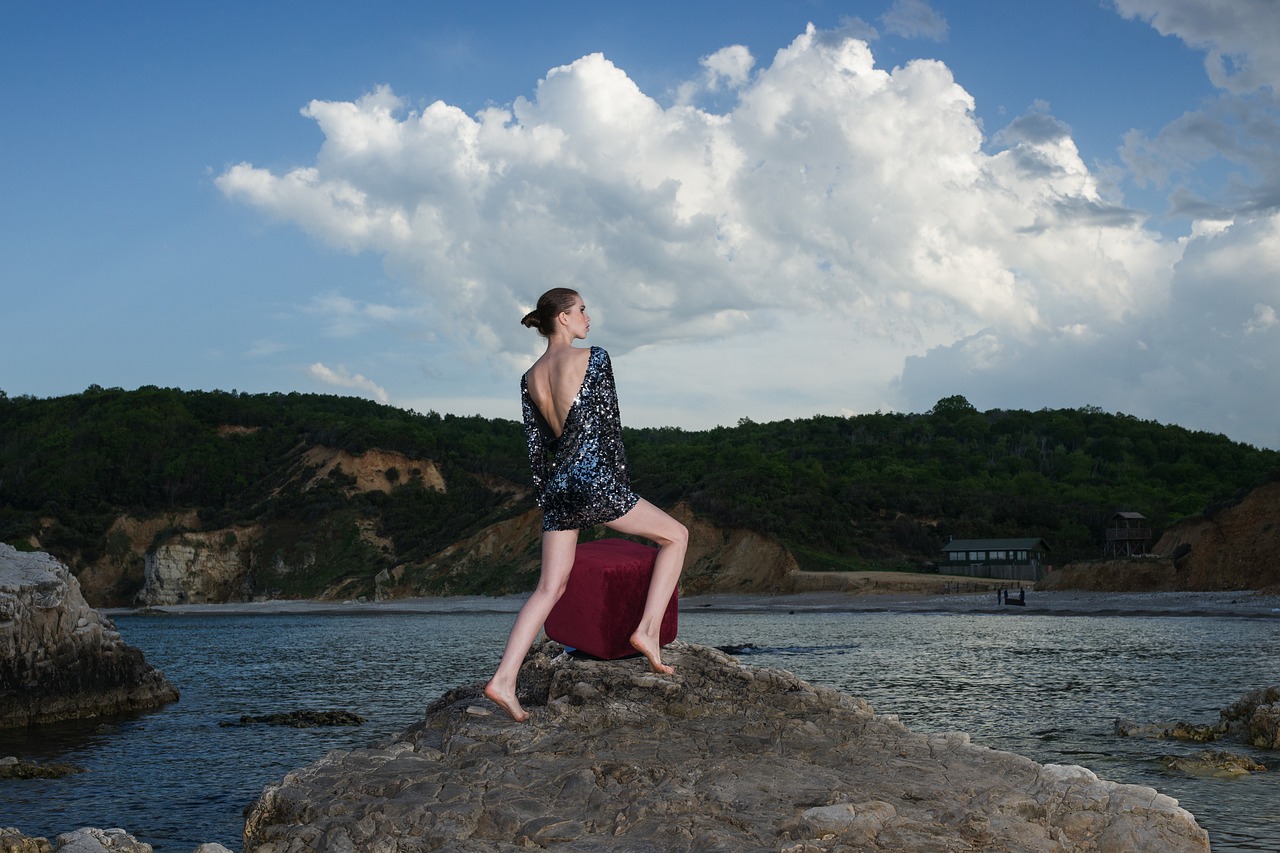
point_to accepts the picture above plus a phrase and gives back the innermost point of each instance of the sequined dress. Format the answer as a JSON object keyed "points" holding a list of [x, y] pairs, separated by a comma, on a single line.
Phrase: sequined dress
{"points": [[580, 477]]}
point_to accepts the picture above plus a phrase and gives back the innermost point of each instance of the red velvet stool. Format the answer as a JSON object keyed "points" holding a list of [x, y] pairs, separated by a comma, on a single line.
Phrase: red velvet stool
{"points": [[604, 599]]}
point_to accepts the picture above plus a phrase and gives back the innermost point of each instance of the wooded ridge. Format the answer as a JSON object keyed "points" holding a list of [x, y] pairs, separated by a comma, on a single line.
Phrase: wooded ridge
{"points": [[882, 490]]}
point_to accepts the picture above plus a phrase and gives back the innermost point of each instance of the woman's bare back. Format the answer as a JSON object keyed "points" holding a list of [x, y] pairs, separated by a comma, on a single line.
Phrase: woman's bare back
{"points": [[554, 382]]}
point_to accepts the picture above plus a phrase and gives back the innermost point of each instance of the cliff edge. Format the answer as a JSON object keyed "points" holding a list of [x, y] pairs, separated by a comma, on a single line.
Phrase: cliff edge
{"points": [[1235, 547], [59, 658], [719, 756]]}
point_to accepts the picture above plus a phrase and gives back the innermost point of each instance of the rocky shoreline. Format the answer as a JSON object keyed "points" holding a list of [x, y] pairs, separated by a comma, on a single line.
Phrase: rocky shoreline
{"points": [[59, 658], [719, 756]]}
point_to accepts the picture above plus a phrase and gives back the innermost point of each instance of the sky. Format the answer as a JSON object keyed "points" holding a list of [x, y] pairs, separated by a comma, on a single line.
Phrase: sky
{"points": [[772, 209]]}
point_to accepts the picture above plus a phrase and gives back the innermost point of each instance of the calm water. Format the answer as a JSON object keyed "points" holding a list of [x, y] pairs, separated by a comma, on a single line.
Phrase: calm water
{"points": [[1048, 687]]}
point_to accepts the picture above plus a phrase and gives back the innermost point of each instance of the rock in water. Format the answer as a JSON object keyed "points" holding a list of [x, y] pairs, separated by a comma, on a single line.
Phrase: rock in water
{"points": [[1213, 762], [59, 658], [304, 719], [717, 757]]}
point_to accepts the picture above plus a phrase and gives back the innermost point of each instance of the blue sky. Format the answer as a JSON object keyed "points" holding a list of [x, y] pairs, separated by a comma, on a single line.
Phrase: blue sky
{"points": [[773, 209]]}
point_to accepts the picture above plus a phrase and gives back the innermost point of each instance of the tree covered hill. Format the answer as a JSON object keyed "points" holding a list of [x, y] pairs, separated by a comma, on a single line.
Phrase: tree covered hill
{"points": [[840, 492]]}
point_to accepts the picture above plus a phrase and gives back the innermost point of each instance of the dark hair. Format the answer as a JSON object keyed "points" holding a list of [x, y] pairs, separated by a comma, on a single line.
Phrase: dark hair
{"points": [[551, 304]]}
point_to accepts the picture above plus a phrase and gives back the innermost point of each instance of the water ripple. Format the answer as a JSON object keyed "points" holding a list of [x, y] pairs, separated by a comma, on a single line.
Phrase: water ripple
{"points": [[1048, 687]]}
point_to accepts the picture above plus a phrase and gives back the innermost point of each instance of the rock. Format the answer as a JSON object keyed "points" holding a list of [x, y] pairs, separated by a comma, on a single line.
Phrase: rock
{"points": [[199, 568], [1264, 727], [1180, 730], [59, 658], [1242, 709], [740, 649], [87, 840], [304, 719], [715, 757], [1213, 763], [13, 841], [20, 768], [1257, 713], [90, 840]]}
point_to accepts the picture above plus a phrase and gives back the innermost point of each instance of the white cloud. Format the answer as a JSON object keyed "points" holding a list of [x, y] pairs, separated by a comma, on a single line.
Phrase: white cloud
{"points": [[1264, 317], [340, 377], [1204, 358], [729, 66], [840, 237], [1241, 127], [915, 19], [1241, 39]]}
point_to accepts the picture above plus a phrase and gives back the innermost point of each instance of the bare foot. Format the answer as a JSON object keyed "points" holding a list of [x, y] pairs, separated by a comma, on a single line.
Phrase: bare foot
{"points": [[652, 652], [506, 702]]}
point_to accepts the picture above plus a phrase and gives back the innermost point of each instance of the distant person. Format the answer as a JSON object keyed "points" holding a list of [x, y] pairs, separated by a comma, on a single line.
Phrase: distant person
{"points": [[574, 433]]}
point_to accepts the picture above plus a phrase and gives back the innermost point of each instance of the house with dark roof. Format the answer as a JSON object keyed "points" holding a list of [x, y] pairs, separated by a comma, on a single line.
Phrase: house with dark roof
{"points": [[1009, 559], [1128, 534]]}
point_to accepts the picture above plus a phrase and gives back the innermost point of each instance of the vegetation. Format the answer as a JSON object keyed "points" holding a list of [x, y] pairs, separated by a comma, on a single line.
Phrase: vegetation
{"points": [[869, 490], [886, 485]]}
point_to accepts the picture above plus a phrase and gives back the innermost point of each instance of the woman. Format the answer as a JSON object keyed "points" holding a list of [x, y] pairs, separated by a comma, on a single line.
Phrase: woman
{"points": [[580, 478]]}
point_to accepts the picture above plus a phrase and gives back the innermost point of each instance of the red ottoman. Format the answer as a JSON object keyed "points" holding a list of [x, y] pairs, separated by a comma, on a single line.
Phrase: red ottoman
{"points": [[604, 599]]}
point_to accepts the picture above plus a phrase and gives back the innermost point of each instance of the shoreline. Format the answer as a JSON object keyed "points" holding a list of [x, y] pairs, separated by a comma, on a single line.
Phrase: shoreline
{"points": [[1234, 603]]}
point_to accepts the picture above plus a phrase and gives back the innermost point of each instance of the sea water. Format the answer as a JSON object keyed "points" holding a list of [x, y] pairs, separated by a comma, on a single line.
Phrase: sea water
{"points": [[1047, 687]]}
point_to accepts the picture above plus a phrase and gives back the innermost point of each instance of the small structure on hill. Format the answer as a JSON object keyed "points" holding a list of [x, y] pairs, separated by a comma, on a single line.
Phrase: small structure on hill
{"points": [[1128, 535], [1009, 559]]}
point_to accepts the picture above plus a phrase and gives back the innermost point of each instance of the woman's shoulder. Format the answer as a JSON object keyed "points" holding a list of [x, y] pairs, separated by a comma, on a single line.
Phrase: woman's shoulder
{"points": [[549, 365]]}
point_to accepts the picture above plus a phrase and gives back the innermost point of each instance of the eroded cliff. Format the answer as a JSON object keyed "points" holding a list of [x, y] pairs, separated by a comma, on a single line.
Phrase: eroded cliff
{"points": [[1233, 547]]}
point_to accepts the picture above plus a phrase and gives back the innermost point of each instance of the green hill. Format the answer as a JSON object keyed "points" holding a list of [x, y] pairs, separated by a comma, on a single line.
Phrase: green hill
{"points": [[869, 491]]}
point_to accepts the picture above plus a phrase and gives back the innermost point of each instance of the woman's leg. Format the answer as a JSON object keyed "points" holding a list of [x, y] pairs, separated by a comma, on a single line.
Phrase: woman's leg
{"points": [[558, 549], [672, 537]]}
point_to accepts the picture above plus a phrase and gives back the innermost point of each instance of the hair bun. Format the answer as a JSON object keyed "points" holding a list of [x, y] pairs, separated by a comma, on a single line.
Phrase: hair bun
{"points": [[551, 304]]}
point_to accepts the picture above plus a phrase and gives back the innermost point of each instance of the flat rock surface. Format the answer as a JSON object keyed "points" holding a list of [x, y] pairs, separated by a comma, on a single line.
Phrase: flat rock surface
{"points": [[717, 757]]}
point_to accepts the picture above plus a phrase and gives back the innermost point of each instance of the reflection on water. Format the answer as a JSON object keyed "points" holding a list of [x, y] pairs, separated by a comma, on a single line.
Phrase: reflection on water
{"points": [[1047, 687]]}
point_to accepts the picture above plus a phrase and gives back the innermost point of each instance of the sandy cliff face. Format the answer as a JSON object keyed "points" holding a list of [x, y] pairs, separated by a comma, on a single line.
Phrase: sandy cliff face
{"points": [[732, 559], [1236, 547], [200, 568], [497, 552], [169, 559], [1132, 575], [718, 560], [371, 468], [115, 578]]}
